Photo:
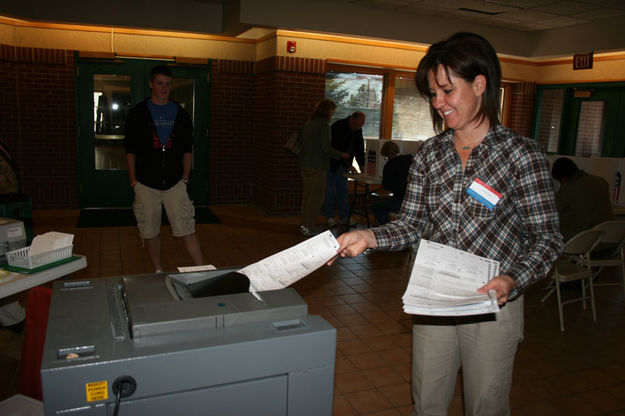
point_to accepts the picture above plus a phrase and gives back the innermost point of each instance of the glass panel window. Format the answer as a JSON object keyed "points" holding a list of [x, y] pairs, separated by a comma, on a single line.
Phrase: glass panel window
{"points": [[183, 92], [549, 119], [357, 92], [590, 128], [411, 112], [111, 101]]}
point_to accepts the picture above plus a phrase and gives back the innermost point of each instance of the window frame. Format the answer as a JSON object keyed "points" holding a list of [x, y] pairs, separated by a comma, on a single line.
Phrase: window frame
{"points": [[388, 91]]}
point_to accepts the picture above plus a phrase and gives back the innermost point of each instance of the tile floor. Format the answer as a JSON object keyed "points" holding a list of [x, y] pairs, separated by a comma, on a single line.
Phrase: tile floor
{"points": [[578, 372]]}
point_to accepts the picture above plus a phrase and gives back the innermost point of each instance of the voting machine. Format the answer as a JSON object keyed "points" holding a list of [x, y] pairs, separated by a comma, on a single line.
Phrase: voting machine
{"points": [[188, 343]]}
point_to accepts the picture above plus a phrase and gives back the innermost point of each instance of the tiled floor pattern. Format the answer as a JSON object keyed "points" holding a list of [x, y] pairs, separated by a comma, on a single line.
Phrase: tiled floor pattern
{"points": [[578, 372]]}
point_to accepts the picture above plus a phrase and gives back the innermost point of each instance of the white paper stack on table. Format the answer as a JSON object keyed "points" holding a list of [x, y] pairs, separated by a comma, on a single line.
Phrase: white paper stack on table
{"points": [[50, 241], [444, 282]]}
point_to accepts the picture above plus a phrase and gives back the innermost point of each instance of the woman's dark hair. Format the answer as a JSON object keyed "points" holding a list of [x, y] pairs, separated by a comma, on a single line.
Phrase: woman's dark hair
{"points": [[324, 109], [563, 167], [466, 55]]}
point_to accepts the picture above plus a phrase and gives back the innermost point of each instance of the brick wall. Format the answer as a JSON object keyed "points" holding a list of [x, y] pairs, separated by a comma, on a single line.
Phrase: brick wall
{"points": [[38, 122], [286, 91], [231, 136], [522, 108], [254, 107]]}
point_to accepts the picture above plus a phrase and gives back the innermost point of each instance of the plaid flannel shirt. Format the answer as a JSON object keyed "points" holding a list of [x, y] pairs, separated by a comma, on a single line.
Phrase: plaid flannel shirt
{"points": [[521, 231]]}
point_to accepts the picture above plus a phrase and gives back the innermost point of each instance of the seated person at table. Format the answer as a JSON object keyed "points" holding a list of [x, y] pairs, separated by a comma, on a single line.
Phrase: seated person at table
{"points": [[394, 179], [583, 200]]}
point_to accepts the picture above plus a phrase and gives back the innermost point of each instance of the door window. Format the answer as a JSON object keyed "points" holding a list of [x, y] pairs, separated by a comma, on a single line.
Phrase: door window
{"points": [[549, 119], [590, 128], [111, 101]]}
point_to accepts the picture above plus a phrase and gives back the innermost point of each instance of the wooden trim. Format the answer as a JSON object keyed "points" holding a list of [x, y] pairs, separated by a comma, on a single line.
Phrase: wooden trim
{"points": [[581, 82], [386, 118], [96, 55], [370, 66], [120, 31], [352, 40], [191, 61], [505, 112], [145, 56]]}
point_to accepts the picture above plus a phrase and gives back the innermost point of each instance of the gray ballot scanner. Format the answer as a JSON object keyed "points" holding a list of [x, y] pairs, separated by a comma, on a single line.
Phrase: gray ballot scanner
{"points": [[184, 344]]}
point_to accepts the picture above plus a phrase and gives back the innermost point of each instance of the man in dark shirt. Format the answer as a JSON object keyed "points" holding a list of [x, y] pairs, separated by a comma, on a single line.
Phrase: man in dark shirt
{"points": [[159, 142], [346, 138], [583, 200], [394, 179]]}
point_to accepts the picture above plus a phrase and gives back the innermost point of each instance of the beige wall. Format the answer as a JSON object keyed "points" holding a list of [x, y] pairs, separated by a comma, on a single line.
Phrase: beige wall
{"points": [[359, 51]]}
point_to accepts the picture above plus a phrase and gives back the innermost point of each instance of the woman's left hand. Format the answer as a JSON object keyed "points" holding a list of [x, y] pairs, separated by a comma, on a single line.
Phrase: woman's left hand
{"points": [[502, 285]]}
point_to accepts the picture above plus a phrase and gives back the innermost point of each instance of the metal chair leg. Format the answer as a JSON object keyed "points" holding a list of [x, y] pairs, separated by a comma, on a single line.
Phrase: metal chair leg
{"points": [[559, 304]]}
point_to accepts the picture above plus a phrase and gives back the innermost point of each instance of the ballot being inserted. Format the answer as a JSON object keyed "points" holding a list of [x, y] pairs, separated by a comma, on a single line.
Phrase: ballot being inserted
{"points": [[288, 266], [50, 241], [444, 282]]}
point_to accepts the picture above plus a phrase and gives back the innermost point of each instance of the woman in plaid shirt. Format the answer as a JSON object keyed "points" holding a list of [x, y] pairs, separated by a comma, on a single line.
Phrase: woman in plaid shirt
{"points": [[515, 223]]}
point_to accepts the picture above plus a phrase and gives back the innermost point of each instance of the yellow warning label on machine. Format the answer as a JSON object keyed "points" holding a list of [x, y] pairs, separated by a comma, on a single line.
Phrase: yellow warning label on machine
{"points": [[97, 390]]}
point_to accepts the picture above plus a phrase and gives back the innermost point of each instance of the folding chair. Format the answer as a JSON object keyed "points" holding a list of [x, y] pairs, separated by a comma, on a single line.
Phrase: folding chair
{"points": [[574, 265], [609, 251]]}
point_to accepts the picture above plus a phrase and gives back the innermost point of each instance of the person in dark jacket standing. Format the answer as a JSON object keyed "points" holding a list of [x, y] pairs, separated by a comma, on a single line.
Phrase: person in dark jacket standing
{"points": [[346, 138], [159, 142]]}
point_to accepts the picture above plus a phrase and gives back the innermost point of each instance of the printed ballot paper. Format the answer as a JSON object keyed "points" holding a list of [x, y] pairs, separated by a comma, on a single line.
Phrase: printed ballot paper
{"points": [[288, 266], [444, 282]]}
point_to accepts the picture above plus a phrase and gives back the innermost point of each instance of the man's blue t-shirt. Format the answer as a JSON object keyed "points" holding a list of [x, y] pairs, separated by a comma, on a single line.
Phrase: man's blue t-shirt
{"points": [[164, 117]]}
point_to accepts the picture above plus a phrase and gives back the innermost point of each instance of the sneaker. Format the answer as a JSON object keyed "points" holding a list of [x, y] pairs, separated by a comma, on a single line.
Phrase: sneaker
{"points": [[310, 232], [331, 222]]}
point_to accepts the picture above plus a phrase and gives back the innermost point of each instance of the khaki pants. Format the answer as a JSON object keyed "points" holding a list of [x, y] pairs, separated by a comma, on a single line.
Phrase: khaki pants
{"points": [[485, 349], [148, 207], [313, 192]]}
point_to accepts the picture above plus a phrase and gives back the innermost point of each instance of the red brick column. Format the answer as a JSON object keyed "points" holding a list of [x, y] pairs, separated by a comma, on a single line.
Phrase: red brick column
{"points": [[286, 92], [38, 122], [231, 138]]}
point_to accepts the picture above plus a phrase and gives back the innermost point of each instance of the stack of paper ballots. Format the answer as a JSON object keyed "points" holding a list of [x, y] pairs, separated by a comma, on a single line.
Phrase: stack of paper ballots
{"points": [[444, 282]]}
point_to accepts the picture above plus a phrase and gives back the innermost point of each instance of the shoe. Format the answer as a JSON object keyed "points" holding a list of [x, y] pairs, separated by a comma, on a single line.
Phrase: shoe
{"points": [[332, 223], [309, 232]]}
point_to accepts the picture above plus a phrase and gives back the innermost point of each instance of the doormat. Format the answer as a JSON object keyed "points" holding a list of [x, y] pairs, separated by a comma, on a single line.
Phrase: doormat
{"points": [[124, 217]]}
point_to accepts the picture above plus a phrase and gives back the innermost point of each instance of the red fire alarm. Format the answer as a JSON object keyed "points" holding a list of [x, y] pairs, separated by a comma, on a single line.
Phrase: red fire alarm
{"points": [[291, 46]]}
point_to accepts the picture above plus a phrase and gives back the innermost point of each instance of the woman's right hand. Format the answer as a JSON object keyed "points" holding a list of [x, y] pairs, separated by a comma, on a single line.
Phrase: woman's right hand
{"points": [[353, 243]]}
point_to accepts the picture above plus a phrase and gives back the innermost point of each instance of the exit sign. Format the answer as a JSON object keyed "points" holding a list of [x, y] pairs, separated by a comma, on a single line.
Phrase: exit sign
{"points": [[582, 61]]}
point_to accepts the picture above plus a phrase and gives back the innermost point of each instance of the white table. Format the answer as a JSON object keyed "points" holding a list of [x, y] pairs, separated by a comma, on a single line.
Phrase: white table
{"points": [[18, 282], [362, 191]]}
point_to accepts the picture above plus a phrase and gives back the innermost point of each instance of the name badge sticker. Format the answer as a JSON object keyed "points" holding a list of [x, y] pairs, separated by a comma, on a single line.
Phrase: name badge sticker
{"points": [[484, 193]]}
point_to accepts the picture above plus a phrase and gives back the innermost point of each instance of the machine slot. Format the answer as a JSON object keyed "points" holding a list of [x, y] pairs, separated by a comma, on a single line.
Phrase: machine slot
{"points": [[72, 353], [289, 325]]}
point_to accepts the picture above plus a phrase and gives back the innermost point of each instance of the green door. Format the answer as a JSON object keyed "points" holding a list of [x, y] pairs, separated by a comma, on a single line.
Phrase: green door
{"points": [[106, 91]]}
